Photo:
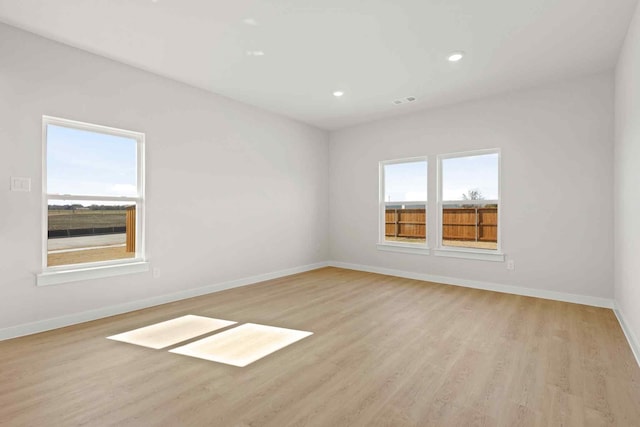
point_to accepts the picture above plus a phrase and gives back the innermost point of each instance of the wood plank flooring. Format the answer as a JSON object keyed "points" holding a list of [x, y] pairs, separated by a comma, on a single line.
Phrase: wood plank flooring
{"points": [[386, 351]]}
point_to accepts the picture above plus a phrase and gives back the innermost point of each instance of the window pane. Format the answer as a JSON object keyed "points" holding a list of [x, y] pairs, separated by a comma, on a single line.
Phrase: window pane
{"points": [[405, 194], [90, 163], [80, 232], [471, 177], [406, 223], [467, 221], [405, 182]]}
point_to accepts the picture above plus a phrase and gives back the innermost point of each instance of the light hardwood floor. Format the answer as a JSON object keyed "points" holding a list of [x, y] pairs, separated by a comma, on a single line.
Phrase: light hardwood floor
{"points": [[386, 351]]}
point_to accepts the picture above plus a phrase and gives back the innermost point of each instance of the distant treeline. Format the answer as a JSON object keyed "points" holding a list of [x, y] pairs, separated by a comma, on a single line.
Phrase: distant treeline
{"points": [[91, 208]]}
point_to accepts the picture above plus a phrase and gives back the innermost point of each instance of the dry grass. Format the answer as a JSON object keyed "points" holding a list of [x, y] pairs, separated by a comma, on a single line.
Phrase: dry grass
{"points": [[88, 255], [453, 243], [416, 240], [467, 244]]}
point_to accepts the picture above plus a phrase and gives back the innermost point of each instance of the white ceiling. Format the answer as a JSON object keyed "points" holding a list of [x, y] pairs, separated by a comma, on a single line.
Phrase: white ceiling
{"points": [[376, 51]]}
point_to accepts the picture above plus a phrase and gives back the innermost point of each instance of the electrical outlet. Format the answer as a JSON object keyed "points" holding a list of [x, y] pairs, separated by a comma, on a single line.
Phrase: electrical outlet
{"points": [[156, 273], [511, 265], [19, 183]]}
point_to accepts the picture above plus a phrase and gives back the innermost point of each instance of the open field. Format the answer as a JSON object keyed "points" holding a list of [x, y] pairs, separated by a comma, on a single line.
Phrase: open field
{"points": [[88, 255], [68, 220]]}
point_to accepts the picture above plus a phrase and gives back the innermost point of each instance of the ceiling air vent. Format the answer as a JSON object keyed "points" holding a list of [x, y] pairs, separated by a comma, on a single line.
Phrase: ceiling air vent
{"points": [[403, 100]]}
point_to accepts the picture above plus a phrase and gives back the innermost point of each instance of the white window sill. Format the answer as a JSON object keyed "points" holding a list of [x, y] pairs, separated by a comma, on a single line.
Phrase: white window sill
{"points": [[406, 249], [55, 277], [483, 255]]}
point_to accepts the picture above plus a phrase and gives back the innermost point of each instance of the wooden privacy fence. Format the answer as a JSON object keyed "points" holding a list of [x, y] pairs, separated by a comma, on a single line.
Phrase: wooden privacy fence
{"points": [[406, 223], [131, 229], [468, 224]]}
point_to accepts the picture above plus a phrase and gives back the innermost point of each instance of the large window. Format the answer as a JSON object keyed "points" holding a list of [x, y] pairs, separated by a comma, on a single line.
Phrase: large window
{"points": [[403, 202], [93, 188], [469, 201]]}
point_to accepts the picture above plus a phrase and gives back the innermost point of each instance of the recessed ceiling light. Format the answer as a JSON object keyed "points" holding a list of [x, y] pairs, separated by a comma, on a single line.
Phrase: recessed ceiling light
{"points": [[255, 53], [250, 21], [456, 56], [338, 93]]}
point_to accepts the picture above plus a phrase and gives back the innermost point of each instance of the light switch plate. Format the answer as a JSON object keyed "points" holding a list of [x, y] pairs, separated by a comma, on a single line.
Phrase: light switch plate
{"points": [[19, 183]]}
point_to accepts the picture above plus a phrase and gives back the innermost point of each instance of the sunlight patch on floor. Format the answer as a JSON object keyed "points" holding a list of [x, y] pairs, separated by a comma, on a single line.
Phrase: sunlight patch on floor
{"points": [[242, 345], [170, 332]]}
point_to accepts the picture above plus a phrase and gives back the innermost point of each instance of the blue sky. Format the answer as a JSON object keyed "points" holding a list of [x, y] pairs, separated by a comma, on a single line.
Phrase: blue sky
{"points": [[405, 182], [461, 174], [408, 181], [88, 163]]}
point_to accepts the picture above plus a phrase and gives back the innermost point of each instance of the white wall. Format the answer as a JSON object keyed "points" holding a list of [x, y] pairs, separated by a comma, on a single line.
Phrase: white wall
{"points": [[627, 182], [557, 175], [250, 190], [232, 191]]}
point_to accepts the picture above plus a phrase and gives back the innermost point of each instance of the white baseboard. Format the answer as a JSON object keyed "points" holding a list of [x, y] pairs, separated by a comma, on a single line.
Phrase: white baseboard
{"points": [[72, 319], [85, 316], [634, 343], [508, 289]]}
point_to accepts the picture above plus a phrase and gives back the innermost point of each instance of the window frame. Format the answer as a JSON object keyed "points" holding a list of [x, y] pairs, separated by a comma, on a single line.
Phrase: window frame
{"points": [[74, 272], [390, 246], [462, 252]]}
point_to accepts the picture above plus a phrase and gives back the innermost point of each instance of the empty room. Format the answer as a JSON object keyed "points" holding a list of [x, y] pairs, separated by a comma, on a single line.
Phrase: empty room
{"points": [[319, 213]]}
